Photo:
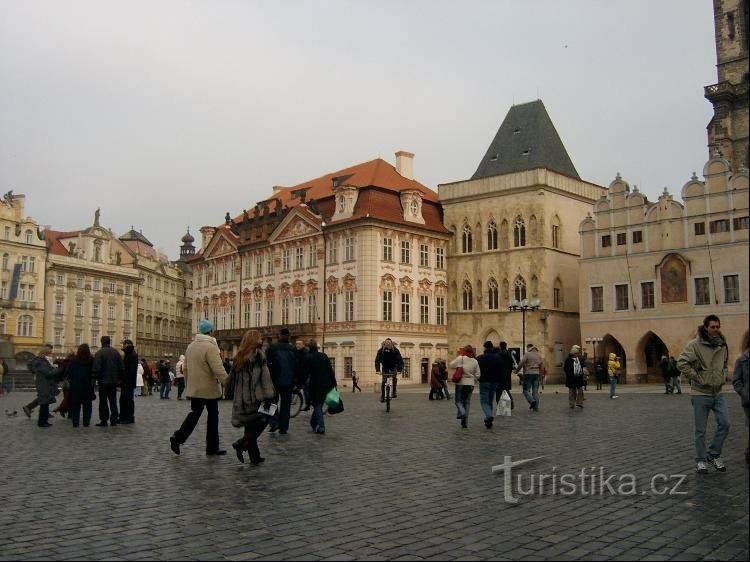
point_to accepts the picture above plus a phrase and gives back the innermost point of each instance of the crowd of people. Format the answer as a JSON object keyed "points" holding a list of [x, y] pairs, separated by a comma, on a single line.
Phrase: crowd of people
{"points": [[261, 379]]}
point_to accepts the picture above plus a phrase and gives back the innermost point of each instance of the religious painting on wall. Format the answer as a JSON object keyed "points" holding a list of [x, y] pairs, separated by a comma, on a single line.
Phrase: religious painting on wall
{"points": [[673, 280]]}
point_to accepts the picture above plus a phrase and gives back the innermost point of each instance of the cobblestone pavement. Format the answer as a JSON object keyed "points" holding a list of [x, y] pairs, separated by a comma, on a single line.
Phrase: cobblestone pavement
{"points": [[406, 485]]}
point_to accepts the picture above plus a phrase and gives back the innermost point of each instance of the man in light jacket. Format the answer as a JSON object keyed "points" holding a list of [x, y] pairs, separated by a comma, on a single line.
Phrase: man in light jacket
{"points": [[205, 374], [532, 364], [704, 363]]}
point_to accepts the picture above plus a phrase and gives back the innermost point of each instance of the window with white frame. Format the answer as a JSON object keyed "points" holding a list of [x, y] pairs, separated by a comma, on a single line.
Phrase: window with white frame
{"points": [[25, 326], [349, 249], [702, 290], [299, 258], [95, 310], [79, 309], [269, 264], [647, 295], [493, 295], [387, 306], [312, 256], [440, 311], [492, 236], [127, 312], [6, 259], [7, 233], [95, 337], [111, 312], [246, 314], [621, 297], [259, 265], [298, 310], [731, 288], [285, 260], [232, 317], [332, 312], [258, 314], [467, 242], [468, 301], [424, 309], [405, 307], [4, 290], [387, 249], [440, 258], [405, 251], [32, 264], [312, 308], [58, 336], [285, 311], [424, 255], [333, 251], [349, 306], [597, 299], [28, 237], [78, 337], [2, 323], [59, 305]]}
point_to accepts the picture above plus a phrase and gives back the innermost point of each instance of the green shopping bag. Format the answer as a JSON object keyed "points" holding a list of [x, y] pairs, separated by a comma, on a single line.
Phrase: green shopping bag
{"points": [[333, 398]]}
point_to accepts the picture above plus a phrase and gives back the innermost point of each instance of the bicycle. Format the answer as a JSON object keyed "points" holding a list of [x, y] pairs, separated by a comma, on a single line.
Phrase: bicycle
{"points": [[297, 401], [388, 382]]}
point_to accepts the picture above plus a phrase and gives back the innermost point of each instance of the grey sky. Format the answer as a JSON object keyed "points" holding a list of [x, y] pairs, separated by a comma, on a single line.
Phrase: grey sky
{"points": [[170, 113]]}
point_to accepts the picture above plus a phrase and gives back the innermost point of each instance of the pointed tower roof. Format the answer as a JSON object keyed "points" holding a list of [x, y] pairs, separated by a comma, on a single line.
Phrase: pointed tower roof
{"points": [[527, 139], [133, 236]]}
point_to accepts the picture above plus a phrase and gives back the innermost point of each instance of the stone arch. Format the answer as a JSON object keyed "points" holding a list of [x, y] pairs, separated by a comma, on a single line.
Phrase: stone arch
{"points": [[648, 351], [492, 336], [610, 344]]}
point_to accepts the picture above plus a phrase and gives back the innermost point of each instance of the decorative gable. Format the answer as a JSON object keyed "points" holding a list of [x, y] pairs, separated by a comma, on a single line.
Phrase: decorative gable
{"points": [[411, 205], [346, 200], [297, 224]]}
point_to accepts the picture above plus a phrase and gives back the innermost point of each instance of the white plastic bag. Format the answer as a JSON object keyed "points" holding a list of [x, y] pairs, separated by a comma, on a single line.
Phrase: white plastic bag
{"points": [[503, 405]]}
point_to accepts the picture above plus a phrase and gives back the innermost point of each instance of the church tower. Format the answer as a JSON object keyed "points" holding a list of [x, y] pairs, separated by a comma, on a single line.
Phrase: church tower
{"points": [[728, 129], [187, 250]]}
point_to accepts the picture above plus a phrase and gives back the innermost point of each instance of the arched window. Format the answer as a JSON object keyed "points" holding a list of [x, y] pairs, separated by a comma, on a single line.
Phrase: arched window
{"points": [[98, 251], [520, 288], [6, 258], [504, 243], [557, 294], [493, 301], [519, 233], [492, 236], [556, 232], [468, 301], [466, 239], [28, 236], [25, 326], [2, 323]]}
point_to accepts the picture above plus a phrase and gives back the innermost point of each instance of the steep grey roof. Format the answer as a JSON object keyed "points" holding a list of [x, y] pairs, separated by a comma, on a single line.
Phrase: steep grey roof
{"points": [[527, 139], [132, 235]]}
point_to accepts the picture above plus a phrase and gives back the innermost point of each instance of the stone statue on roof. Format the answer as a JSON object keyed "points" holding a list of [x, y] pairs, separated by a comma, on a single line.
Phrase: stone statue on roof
{"points": [[96, 216]]}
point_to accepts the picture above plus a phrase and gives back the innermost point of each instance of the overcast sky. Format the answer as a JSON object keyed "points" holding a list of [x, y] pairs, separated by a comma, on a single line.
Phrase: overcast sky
{"points": [[167, 114]]}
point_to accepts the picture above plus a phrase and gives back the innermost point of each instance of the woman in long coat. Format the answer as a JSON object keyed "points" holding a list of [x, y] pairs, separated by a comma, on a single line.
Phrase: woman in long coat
{"points": [[253, 387], [81, 385], [44, 378], [574, 377], [321, 381]]}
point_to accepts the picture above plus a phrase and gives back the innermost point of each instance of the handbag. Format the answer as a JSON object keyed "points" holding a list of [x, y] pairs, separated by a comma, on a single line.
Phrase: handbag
{"points": [[458, 374]]}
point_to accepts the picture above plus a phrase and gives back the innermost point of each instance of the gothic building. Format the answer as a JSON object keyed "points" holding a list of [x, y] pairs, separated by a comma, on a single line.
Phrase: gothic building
{"points": [[350, 258]]}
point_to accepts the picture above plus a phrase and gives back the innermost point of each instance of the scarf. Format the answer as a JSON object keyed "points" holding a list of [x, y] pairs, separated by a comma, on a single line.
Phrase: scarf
{"points": [[576, 367]]}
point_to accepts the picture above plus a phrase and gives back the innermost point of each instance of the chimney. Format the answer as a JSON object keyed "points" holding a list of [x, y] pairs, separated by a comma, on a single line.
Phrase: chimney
{"points": [[207, 232], [405, 164]]}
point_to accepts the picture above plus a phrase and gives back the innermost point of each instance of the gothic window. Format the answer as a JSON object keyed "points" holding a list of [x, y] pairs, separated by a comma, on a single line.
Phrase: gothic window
{"points": [[492, 236], [492, 295], [466, 239], [556, 232], [557, 294], [519, 233], [520, 288], [467, 297], [504, 244]]}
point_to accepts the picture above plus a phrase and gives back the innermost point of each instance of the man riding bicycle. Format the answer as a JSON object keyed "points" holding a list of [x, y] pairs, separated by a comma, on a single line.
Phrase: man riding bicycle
{"points": [[388, 361]]}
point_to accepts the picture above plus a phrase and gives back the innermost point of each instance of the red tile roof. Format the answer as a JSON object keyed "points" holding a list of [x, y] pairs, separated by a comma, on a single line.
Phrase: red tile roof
{"points": [[141, 249], [54, 246]]}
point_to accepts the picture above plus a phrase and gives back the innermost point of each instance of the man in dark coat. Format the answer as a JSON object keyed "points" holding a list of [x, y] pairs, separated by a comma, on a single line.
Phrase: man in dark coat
{"points": [[489, 380], [127, 390], [322, 380], [108, 371], [301, 374], [506, 368], [389, 360], [282, 364]]}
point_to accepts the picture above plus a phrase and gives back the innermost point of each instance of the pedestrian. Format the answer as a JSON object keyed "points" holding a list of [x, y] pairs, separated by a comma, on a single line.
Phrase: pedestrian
{"points": [[139, 379], [601, 374], [64, 407], [674, 373], [205, 374], [108, 370], [44, 377], [436, 385], [165, 380], [253, 387], [574, 377], [466, 361], [742, 385], [666, 374], [148, 379], [532, 364], [129, 382], [443, 368], [490, 368], [179, 375], [300, 372], [80, 375], [282, 362], [506, 370], [4, 377], [355, 382], [322, 381], [388, 360], [613, 370], [704, 361]]}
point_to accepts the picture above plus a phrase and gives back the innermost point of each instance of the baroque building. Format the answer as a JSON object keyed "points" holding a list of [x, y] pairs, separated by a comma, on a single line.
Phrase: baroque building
{"points": [[514, 237], [349, 258], [22, 278], [90, 291], [650, 272], [728, 128]]}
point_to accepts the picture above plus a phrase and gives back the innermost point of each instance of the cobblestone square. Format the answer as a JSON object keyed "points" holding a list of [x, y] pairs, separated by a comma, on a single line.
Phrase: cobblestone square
{"points": [[405, 485]]}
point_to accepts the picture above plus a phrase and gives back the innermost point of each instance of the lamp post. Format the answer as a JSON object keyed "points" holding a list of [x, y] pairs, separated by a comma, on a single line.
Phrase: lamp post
{"points": [[523, 306], [323, 304], [594, 341]]}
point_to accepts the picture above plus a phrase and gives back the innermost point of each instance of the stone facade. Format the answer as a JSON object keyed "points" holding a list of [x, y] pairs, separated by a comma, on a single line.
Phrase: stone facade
{"points": [[24, 255], [349, 259], [728, 129], [524, 244], [650, 272]]}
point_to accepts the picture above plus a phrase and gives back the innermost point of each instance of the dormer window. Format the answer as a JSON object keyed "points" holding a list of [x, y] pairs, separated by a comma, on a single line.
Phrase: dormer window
{"points": [[414, 207], [342, 203]]}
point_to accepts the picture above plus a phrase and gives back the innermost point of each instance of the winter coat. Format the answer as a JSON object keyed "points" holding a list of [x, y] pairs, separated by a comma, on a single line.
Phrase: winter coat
{"points": [[252, 385], [613, 365], [704, 365], [322, 379], [471, 369], [44, 377], [740, 378], [81, 380], [204, 370], [506, 368], [531, 363], [435, 382], [389, 360], [490, 366], [164, 377], [131, 364], [301, 369], [179, 368], [571, 379], [108, 366], [139, 375], [282, 363]]}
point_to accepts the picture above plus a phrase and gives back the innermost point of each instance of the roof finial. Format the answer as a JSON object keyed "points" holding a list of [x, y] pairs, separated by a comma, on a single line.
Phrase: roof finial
{"points": [[694, 177], [618, 177]]}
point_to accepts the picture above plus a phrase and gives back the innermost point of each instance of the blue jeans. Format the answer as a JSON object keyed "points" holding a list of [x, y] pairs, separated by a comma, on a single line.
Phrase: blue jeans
{"points": [[318, 418], [486, 395], [676, 384], [531, 389], [463, 399], [612, 386], [702, 405], [165, 388]]}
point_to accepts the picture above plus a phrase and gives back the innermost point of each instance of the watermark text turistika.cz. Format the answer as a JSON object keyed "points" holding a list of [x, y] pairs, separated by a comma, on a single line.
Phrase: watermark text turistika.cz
{"points": [[589, 481]]}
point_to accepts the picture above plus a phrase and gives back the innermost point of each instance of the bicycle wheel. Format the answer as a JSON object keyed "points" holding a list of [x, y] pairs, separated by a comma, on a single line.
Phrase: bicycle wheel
{"points": [[296, 404], [388, 399]]}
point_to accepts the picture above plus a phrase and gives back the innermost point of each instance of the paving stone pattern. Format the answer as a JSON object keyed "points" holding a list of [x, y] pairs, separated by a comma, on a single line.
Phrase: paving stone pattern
{"points": [[405, 485]]}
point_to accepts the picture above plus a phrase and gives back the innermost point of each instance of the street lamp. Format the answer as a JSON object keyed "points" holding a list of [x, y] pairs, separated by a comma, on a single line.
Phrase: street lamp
{"points": [[523, 306], [594, 341], [323, 304]]}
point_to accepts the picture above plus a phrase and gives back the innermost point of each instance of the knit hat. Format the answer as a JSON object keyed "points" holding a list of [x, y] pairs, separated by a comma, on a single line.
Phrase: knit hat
{"points": [[575, 349], [205, 327], [488, 345]]}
